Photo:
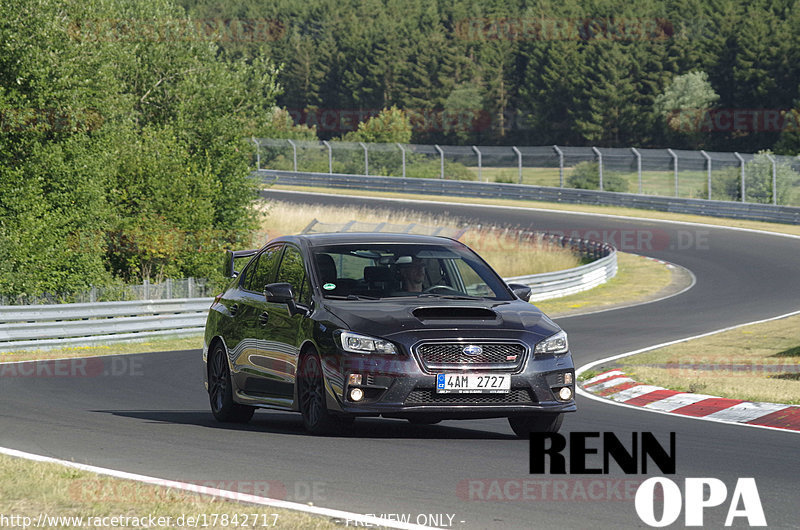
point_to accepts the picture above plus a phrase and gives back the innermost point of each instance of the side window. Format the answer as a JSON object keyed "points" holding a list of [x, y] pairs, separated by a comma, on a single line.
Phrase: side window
{"points": [[264, 270], [292, 271], [246, 275]]}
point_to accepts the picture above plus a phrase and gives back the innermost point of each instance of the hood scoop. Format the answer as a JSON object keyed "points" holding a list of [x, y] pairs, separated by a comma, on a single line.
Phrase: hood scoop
{"points": [[451, 313]]}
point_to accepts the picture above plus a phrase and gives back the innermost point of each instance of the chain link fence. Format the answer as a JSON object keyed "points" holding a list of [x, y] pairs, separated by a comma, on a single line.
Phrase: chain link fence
{"points": [[745, 177], [167, 290]]}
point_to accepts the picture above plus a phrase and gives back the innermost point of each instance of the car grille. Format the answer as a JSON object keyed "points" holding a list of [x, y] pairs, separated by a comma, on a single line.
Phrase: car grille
{"points": [[507, 356], [421, 396]]}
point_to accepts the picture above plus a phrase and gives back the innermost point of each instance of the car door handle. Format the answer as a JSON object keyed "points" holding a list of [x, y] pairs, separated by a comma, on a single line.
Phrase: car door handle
{"points": [[263, 318], [234, 309]]}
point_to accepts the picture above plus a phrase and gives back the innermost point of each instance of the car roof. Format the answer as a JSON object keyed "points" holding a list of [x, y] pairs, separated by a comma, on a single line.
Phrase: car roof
{"points": [[335, 238]]}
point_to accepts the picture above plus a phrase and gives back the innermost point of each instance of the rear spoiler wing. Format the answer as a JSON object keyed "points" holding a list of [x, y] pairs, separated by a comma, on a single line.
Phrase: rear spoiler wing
{"points": [[232, 256]]}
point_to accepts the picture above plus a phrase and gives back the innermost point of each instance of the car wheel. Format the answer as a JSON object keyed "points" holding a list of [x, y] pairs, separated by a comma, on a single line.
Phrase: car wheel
{"points": [[220, 390], [312, 396], [547, 422]]}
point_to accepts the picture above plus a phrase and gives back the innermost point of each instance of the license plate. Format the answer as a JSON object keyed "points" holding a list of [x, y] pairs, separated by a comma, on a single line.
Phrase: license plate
{"points": [[473, 383]]}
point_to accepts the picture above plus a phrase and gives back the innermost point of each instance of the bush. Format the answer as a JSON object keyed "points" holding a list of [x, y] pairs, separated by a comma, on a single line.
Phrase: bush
{"points": [[126, 160], [726, 185], [432, 169], [389, 126], [586, 176], [506, 178]]}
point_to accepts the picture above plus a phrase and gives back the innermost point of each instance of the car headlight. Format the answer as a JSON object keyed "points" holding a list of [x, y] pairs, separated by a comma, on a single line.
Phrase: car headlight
{"points": [[553, 344], [356, 343]]}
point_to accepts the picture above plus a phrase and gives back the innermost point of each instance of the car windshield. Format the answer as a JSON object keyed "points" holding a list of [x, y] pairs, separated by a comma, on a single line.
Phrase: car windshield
{"points": [[359, 271]]}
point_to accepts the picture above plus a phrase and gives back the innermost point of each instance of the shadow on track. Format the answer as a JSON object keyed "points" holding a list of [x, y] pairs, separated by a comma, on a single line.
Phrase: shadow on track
{"points": [[292, 424]]}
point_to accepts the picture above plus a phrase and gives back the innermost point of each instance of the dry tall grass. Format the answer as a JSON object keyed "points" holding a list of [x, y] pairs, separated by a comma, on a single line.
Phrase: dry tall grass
{"points": [[500, 248]]}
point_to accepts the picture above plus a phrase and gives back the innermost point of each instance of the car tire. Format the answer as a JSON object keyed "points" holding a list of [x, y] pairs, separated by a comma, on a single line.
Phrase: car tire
{"points": [[545, 422], [312, 397], [220, 390]]}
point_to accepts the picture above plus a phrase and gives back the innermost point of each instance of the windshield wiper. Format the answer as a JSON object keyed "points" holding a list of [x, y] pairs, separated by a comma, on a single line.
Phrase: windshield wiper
{"points": [[450, 296], [351, 297]]}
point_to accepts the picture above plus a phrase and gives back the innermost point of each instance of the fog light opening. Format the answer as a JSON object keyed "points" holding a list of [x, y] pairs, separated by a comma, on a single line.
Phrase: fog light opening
{"points": [[356, 394], [565, 394]]}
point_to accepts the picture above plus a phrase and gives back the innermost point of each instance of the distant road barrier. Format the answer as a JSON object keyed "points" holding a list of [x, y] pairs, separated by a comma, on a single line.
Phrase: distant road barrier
{"points": [[570, 281], [494, 190], [61, 325]]}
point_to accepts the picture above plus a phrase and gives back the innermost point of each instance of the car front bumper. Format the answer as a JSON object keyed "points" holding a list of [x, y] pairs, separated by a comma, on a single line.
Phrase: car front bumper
{"points": [[396, 386]]}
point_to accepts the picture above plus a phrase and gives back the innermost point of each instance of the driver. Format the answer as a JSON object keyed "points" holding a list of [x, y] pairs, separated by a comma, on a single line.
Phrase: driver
{"points": [[412, 274]]}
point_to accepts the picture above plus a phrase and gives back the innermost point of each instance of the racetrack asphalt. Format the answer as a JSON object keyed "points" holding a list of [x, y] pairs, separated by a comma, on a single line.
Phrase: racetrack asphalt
{"points": [[149, 414]]}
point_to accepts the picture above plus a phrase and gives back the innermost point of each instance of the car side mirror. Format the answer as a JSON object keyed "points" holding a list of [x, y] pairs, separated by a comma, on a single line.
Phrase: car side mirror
{"points": [[282, 293], [279, 293], [522, 291]]}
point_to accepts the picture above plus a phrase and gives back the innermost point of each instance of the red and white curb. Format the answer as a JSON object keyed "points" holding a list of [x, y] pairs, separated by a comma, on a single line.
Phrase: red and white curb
{"points": [[615, 385]]}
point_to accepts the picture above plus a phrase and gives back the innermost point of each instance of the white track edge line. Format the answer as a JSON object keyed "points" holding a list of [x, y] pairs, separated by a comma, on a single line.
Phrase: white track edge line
{"points": [[223, 494], [590, 365]]}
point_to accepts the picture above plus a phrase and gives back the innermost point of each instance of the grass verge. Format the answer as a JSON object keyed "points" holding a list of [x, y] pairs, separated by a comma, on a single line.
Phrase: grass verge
{"points": [[28, 489], [760, 362], [605, 210], [638, 279], [499, 247], [119, 348]]}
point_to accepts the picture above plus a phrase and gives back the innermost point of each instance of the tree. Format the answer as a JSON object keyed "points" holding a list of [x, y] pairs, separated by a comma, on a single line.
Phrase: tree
{"points": [[117, 132], [389, 126], [607, 96], [684, 102]]}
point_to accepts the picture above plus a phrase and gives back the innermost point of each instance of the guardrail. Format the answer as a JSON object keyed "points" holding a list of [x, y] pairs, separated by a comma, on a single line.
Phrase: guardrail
{"points": [[58, 325], [570, 281], [543, 286], [466, 188]]}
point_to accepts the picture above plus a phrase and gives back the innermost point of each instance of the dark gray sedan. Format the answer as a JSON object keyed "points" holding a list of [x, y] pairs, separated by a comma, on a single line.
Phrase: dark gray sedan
{"points": [[337, 326]]}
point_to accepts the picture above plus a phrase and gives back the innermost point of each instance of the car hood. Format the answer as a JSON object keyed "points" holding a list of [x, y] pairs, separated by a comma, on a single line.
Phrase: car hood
{"points": [[387, 318]]}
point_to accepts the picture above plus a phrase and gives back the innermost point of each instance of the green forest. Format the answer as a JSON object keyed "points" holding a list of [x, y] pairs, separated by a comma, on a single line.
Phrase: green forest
{"points": [[125, 125], [568, 72]]}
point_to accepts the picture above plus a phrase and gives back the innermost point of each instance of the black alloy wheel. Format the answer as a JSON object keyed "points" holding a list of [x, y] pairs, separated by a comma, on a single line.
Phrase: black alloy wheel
{"points": [[311, 394], [220, 390]]}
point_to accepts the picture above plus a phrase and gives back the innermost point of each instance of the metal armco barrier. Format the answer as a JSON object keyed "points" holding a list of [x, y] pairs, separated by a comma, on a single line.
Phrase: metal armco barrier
{"points": [[466, 188], [562, 283], [57, 325]]}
